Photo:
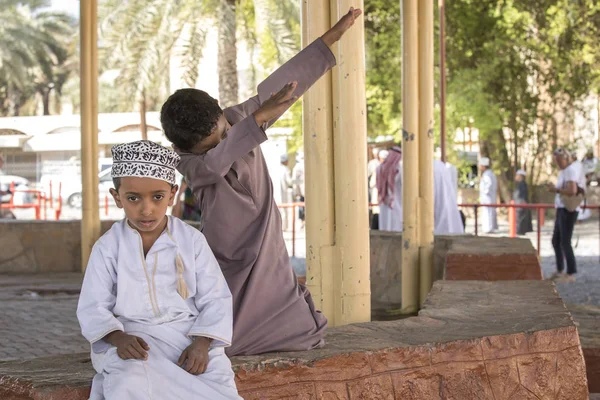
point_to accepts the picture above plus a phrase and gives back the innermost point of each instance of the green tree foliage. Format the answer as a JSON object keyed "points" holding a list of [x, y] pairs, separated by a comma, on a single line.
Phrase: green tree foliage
{"points": [[384, 67], [511, 66], [35, 48]]}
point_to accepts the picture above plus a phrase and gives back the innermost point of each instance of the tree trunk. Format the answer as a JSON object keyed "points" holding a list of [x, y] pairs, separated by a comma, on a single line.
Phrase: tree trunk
{"points": [[143, 125], [46, 100], [495, 143], [227, 55]]}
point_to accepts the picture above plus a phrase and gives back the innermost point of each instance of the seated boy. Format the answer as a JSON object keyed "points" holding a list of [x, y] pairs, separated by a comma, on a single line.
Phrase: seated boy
{"points": [[223, 164], [154, 303]]}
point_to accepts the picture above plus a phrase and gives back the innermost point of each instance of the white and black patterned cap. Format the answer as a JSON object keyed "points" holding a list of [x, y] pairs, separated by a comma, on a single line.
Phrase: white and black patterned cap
{"points": [[144, 159]]}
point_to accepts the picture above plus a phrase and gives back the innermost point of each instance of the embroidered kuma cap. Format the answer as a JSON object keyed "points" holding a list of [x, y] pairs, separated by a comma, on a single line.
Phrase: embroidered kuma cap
{"points": [[144, 159], [484, 162]]}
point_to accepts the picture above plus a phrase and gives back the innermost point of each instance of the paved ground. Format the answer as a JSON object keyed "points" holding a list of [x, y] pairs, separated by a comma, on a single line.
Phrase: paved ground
{"points": [[38, 312]]}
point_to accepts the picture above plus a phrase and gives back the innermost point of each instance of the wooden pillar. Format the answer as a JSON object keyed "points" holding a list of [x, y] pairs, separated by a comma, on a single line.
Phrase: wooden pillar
{"points": [[353, 286], [426, 144], [338, 269], [318, 167], [441, 10], [410, 156], [90, 220]]}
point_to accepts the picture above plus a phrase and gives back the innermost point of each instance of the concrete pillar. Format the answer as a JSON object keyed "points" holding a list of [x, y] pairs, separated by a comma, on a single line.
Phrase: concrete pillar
{"points": [[353, 287], [90, 220], [426, 143], [410, 156], [336, 179], [318, 167]]}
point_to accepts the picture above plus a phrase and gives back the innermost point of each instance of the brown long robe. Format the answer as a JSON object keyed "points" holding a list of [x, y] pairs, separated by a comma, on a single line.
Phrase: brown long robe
{"points": [[242, 224]]}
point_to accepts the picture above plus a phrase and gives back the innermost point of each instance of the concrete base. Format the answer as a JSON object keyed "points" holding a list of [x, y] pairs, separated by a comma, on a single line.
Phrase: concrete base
{"points": [[458, 257], [471, 340]]}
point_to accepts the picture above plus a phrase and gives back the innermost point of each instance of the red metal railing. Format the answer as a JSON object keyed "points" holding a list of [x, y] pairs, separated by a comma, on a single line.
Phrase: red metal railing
{"points": [[539, 207], [40, 205]]}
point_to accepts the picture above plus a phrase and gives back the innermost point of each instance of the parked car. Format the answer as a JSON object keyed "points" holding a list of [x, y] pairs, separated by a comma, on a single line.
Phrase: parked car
{"points": [[72, 192]]}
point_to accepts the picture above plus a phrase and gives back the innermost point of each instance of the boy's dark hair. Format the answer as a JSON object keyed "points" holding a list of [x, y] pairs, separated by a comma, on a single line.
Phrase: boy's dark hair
{"points": [[188, 116]]}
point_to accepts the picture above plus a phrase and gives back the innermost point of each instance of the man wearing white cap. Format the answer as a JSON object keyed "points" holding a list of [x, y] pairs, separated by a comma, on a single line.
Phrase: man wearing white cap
{"points": [[488, 191], [521, 196]]}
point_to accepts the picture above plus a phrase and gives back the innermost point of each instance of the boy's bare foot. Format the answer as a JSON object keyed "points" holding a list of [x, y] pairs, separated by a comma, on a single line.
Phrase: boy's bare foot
{"points": [[338, 30]]}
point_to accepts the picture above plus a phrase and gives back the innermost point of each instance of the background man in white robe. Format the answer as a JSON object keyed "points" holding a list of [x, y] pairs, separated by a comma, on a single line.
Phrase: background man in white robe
{"points": [[285, 190], [154, 303], [488, 192], [446, 213]]}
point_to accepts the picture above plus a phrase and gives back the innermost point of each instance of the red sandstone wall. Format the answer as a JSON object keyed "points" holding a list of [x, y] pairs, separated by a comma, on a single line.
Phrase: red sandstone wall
{"points": [[542, 365], [489, 267]]}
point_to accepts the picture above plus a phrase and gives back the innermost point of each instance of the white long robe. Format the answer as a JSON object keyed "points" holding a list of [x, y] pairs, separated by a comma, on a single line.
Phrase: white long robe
{"points": [[453, 174], [390, 218], [446, 213], [284, 194], [123, 290], [488, 192]]}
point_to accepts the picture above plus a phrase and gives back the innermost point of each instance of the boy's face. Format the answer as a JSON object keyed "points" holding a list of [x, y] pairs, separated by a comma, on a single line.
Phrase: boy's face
{"points": [[210, 142], [145, 201]]}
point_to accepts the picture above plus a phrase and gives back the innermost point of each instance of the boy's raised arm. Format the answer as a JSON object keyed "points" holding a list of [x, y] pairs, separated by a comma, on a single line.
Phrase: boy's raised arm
{"points": [[305, 68]]}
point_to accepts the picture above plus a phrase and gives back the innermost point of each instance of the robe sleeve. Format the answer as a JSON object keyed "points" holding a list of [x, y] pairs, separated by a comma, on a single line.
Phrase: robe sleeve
{"points": [[205, 169], [96, 301], [305, 68], [244, 135], [213, 299]]}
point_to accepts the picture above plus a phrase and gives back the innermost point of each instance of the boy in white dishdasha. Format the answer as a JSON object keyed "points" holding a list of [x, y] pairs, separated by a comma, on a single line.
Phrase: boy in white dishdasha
{"points": [[154, 303]]}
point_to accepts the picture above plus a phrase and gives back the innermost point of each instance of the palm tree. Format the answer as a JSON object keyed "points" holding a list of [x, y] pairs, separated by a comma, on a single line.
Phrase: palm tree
{"points": [[140, 36], [33, 52]]}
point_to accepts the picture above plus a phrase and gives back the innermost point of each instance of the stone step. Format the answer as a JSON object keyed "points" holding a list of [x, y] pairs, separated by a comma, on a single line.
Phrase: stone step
{"points": [[472, 340]]}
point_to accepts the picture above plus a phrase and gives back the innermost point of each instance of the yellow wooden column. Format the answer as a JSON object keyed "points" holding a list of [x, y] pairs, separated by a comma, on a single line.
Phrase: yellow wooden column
{"points": [[426, 144], [318, 167], [335, 140], [410, 156], [352, 284], [90, 219]]}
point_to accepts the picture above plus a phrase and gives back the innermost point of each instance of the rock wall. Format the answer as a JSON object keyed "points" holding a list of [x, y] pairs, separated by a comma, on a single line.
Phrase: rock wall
{"points": [[41, 246]]}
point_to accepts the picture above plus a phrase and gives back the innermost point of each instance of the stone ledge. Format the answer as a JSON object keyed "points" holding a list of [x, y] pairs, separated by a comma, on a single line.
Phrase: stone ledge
{"points": [[492, 259], [587, 319], [472, 340]]}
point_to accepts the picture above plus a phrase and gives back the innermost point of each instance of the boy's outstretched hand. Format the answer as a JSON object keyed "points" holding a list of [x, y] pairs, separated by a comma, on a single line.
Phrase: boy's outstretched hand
{"points": [[128, 346], [276, 104], [338, 30], [194, 358]]}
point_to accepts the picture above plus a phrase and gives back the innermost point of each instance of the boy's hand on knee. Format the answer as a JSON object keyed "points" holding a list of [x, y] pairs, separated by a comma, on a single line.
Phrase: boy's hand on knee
{"points": [[276, 104], [128, 346], [194, 358], [338, 30]]}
